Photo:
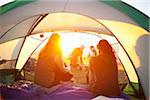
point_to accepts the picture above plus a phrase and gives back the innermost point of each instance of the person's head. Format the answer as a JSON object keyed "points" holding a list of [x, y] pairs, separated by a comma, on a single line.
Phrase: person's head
{"points": [[92, 48], [82, 47], [104, 46], [53, 44], [55, 40]]}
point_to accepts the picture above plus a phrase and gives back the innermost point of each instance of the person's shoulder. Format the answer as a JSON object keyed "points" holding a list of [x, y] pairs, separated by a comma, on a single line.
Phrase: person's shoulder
{"points": [[97, 58], [75, 49], [93, 59], [78, 49]]}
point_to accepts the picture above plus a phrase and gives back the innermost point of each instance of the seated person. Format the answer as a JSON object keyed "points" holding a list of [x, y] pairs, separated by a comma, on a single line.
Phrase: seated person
{"points": [[78, 68], [50, 67], [93, 51], [76, 57], [103, 72]]}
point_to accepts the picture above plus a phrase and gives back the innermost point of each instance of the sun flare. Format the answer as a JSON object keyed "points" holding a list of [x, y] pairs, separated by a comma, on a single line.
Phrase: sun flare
{"points": [[73, 40]]}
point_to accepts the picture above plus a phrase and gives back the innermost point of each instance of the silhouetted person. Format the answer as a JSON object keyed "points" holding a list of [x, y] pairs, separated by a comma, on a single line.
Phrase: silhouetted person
{"points": [[93, 51], [142, 50], [103, 73], [50, 67], [76, 57], [78, 69]]}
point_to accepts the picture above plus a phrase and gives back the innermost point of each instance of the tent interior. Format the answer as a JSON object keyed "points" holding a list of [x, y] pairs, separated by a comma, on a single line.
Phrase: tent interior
{"points": [[20, 46]]}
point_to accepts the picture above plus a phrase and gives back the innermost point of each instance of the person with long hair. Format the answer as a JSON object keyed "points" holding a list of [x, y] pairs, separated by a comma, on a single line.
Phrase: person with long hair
{"points": [[103, 72], [50, 67]]}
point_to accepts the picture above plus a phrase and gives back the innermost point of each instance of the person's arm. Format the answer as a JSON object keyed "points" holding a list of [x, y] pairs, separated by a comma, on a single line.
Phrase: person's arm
{"points": [[81, 60], [60, 63], [92, 76], [80, 56]]}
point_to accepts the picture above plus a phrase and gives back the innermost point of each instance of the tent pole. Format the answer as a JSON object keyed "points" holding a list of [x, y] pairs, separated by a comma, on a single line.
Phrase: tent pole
{"points": [[36, 23], [34, 51], [24, 42], [15, 26], [29, 32], [127, 75], [16, 74], [140, 86], [131, 63]]}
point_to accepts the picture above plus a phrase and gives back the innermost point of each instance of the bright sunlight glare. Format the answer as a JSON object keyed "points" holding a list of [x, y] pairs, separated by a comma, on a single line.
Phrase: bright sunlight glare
{"points": [[73, 40], [70, 40]]}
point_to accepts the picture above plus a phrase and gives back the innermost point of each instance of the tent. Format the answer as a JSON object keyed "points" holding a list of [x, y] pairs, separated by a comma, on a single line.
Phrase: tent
{"points": [[130, 36]]}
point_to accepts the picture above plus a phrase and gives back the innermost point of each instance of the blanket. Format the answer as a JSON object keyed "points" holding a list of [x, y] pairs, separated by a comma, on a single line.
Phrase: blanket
{"points": [[30, 91], [27, 91]]}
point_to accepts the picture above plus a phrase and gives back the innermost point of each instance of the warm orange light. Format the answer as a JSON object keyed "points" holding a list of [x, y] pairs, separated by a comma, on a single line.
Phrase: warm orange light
{"points": [[73, 40]]}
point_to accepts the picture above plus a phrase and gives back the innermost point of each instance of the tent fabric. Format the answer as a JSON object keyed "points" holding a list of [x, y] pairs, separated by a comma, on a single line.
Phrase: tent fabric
{"points": [[69, 21], [13, 47], [12, 5], [136, 42], [142, 19], [28, 47], [120, 5], [20, 30], [129, 34], [121, 31], [96, 10]]}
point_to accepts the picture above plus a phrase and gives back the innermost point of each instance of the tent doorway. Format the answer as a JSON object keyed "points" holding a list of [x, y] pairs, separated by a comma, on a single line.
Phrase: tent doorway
{"points": [[20, 38]]}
